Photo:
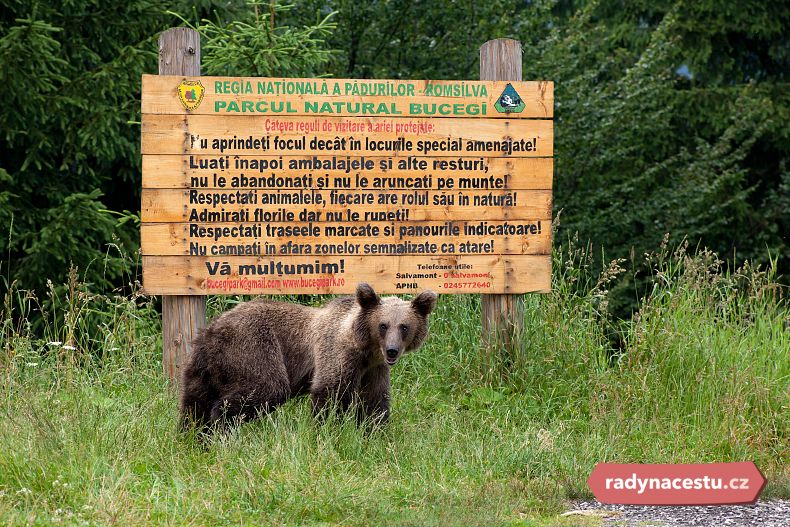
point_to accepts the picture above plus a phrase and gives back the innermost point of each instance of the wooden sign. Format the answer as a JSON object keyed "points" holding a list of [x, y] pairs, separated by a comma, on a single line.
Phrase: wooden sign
{"points": [[257, 185]]}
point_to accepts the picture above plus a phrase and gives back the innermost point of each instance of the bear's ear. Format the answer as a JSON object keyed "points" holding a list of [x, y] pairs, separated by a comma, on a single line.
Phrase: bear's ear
{"points": [[367, 297], [424, 302]]}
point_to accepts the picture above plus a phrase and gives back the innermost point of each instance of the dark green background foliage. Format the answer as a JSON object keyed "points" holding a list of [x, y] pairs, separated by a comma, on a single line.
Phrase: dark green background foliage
{"points": [[671, 117], [70, 134], [69, 151]]}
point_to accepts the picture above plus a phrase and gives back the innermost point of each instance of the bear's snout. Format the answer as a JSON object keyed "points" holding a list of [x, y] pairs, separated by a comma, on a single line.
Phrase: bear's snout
{"points": [[392, 355]]}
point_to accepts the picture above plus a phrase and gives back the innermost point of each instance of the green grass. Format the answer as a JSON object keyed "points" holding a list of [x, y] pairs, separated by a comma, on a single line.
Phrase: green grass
{"points": [[88, 431]]}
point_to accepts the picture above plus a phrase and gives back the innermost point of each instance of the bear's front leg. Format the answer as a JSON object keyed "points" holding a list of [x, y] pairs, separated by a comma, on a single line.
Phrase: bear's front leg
{"points": [[375, 394]]}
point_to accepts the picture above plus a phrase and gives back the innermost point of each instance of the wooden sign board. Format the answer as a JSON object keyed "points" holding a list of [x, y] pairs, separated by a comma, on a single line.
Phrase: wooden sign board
{"points": [[273, 186]]}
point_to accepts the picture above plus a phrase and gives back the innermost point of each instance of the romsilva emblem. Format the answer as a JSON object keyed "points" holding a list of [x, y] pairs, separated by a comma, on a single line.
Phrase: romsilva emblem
{"points": [[190, 93]]}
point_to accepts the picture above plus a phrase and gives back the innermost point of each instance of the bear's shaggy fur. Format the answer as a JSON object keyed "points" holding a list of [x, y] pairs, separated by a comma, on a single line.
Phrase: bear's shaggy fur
{"points": [[258, 355]]}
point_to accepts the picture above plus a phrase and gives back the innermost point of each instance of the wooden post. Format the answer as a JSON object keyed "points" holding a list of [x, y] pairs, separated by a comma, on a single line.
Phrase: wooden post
{"points": [[182, 315], [502, 315]]}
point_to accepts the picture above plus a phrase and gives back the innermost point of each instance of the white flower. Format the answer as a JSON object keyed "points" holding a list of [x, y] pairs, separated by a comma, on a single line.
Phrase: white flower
{"points": [[70, 348], [54, 343]]}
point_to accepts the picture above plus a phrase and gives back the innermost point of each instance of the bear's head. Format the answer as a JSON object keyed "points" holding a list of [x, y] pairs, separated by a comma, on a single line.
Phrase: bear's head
{"points": [[390, 325]]}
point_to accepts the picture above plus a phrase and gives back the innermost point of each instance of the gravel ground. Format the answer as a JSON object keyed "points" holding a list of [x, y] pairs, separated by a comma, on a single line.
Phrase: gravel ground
{"points": [[762, 514]]}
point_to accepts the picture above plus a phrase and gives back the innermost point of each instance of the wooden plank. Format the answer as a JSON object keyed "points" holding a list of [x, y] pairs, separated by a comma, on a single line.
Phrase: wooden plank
{"points": [[184, 134], [344, 97], [181, 275], [176, 239], [173, 171], [173, 205]]}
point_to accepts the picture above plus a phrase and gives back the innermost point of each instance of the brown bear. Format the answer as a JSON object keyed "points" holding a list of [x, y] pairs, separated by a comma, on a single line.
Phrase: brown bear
{"points": [[258, 355]]}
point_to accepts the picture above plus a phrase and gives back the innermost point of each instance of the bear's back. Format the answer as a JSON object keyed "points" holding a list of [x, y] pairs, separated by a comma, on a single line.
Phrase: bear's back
{"points": [[249, 338]]}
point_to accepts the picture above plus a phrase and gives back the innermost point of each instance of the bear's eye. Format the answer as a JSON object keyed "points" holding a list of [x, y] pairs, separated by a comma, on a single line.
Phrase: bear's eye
{"points": [[404, 329], [383, 328]]}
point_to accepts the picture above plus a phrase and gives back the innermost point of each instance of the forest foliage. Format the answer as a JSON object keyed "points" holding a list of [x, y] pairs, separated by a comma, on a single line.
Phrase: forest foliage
{"points": [[671, 116]]}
